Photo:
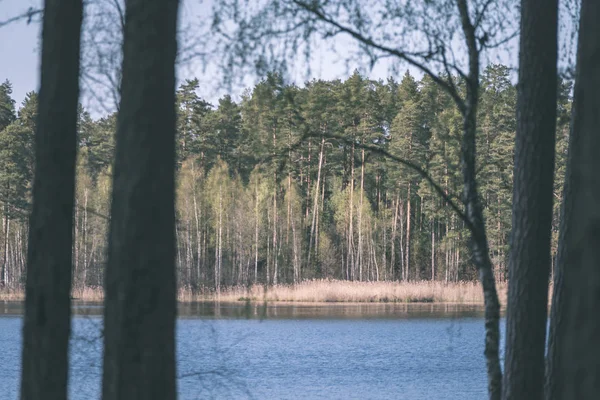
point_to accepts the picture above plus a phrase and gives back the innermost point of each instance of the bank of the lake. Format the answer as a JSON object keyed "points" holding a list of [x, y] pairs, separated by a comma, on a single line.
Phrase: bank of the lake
{"points": [[323, 291], [338, 291]]}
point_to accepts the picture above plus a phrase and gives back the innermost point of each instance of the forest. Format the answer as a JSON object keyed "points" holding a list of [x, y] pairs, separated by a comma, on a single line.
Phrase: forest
{"points": [[298, 182], [458, 175]]}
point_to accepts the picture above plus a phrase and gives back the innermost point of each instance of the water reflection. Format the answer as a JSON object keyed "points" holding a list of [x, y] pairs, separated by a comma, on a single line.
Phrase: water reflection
{"points": [[291, 351], [249, 310]]}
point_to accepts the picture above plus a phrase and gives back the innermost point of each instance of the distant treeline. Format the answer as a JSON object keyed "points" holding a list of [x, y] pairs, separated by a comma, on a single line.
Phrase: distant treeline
{"points": [[293, 183]]}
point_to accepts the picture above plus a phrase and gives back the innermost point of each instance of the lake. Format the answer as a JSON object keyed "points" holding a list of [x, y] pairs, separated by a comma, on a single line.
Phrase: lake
{"points": [[300, 351]]}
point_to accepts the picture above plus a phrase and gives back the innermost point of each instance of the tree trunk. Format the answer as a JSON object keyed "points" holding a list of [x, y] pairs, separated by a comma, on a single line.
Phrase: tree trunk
{"points": [[75, 246], [447, 251], [47, 319], [256, 237], [198, 239], [401, 244], [574, 353], [6, 264], [432, 251], [219, 245], [85, 239], [350, 255], [360, 212], [481, 259], [532, 202], [393, 238], [315, 204], [275, 250], [407, 252], [295, 250], [4, 247], [140, 304], [473, 208]]}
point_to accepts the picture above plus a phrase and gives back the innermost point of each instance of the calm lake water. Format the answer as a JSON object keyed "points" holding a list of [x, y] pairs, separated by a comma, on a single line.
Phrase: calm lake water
{"points": [[237, 351]]}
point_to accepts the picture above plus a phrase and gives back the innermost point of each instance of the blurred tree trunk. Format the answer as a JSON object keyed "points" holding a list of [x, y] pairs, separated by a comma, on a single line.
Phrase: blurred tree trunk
{"points": [[574, 354], [532, 201], [478, 244], [5, 231], [47, 295], [140, 305]]}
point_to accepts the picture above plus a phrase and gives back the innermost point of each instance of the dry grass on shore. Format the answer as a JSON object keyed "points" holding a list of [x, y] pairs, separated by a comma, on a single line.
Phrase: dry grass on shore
{"points": [[328, 291], [92, 294], [323, 291], [11, 295]]}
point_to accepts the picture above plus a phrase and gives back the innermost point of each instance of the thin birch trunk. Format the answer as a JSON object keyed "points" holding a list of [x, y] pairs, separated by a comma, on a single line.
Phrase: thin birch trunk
{"points": [[408, 220], [256, 237], [432, 251], [315, 204], [360, 210]]}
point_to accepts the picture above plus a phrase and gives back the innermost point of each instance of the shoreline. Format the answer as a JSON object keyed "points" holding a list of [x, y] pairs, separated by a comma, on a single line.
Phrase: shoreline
{"points": [[320, 292]]}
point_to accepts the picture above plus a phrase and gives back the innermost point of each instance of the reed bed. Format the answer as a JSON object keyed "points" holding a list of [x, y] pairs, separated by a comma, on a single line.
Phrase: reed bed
{"points": [[88, 294], [329, 291], [12, 295], [92, 294], [321, 291]]}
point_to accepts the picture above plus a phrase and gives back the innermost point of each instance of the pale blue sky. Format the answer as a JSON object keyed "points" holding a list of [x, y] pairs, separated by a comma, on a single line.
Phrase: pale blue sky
{"points": [[19, 45], [19, 55]]}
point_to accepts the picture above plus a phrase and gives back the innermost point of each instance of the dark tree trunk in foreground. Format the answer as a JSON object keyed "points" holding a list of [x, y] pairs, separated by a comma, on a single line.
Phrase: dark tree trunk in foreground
{"points": [[480, 251], [529, 265], [140, 305], [574, 351], [47, 303], [474, 211]]}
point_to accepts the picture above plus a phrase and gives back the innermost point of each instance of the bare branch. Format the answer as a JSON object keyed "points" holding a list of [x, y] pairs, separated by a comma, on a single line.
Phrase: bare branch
{"points": [[121, 14], [395, 52], [481, 13], [27, 15], [471, 42]]}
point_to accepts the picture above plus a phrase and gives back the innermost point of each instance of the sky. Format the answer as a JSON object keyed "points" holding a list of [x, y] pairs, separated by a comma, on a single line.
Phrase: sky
{"points": [[19, 58], [20, 45], [19, 52]]}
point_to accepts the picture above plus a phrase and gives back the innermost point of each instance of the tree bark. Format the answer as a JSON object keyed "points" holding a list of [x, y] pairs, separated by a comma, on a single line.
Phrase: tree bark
{"points": [[5, 225], [393, 238], [311, 239], [360, 250], [140, 305], [532, 202], [408, 230], [473, 209], [85, 238], [574, 354], [350, 255], [256, 236], [275, 244], [432, 251], [47, 319]]}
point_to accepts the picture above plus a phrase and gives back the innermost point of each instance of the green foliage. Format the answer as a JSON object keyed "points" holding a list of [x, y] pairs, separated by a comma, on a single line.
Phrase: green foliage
{"points": [[7, 105], [247, 191], [192, 133], [15, 170]]}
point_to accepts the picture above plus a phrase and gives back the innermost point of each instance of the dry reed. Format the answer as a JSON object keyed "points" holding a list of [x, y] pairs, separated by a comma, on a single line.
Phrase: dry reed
{"points": [[322, 291], [92, 294], [11, 295], [327, 291]]}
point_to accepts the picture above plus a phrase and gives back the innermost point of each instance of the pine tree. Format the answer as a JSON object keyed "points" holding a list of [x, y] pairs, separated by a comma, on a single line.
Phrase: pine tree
{"points": [[7, 105]]}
